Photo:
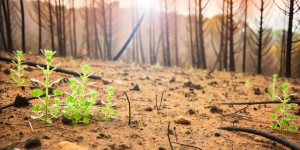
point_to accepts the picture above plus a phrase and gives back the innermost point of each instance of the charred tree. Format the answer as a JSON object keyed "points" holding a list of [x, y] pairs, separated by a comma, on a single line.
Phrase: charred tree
{"points": [[197, 40], [2, 28], [87, 28], [6, 12], [40, 26], [133, 40], [167, 34], [176, 43], [74, 29], [201, 37], [110, 31], [51, 26], [245, 36], [191, 35]]}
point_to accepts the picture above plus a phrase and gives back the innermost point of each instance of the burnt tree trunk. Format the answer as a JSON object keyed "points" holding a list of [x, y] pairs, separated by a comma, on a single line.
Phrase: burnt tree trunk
{"points": [[202, 48], [288, 71], [167, 34], [74, 30], [197, 40], [191, 34], [176, 43], [87, 28], [245, 37], [40, 27], [231, 51]]}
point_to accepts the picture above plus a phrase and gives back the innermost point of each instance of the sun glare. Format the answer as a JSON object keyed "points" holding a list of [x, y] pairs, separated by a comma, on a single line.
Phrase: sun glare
{"points": [[144, 3]]}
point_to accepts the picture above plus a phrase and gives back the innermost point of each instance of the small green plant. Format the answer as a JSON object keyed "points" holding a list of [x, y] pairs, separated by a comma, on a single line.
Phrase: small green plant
{"points": [[216, 70], [88, 58], [224, 70], [175, 66], [72, 60], [273, 92], [47, 85], [284, 125], [78, 104], [240, 74], [247, 84], [205, 71], [20, 71], [108, 114], [30, 53], [130, 60], [121, 61], [191, 68], [132, 65], [157, 65]]}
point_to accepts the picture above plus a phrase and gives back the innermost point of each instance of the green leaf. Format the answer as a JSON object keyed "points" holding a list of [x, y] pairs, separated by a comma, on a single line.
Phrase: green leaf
{"points": [[115, 112], [37, 107], [37, 93], [48, 60], [86, 120], [72, 80], [293, 127], [24, 73], [57, 92], [73, 88], [278, 107], [85, 69], [11, 77], [292, 105], [109, 98], [109, 108], [77, 116], [100, 116], [100, 108], [291, 117], [285, 85], [49, 121], [54, 110], [84, 84], [25, 80], [87, 103], [93, 93], [274, 126], [49, 53], [56, 101], [274, 116]]}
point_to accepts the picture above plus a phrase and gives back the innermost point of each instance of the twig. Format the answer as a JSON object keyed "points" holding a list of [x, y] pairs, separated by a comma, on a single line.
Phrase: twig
{"points": [[30, 126], [236, 111], [44, 126], [162, 95], [175, 133], [252, 103], [169, 135], [187, 145], [129, 109]]}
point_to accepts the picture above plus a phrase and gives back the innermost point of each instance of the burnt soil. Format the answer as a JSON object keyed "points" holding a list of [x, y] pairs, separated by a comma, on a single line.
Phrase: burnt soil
{"points": [[191, 95]]}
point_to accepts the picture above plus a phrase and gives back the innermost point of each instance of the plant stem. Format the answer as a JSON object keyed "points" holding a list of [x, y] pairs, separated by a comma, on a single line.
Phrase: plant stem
{"points": [[47, 96]]}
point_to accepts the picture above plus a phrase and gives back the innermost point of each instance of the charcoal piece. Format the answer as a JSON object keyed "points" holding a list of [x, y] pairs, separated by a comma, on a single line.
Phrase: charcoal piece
{"points": [[217, 134], [191, 111], [33, 143], [21, 101], [148, 109], [173, 80], [257, 91], [214, 109], [6, 71], [66, 121], [188, 84], [136, 88]]}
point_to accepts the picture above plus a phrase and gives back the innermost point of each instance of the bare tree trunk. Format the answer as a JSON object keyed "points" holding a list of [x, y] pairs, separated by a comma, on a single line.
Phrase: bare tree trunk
{"points": [[191, 35], [231, 51], [245, 36], [110, 31], [288, 71], [57, 27], [260, 33], [141, 42], [40, 27], [87, 28], [96, 31], [2, 28], [51, 26], [70, 32], [202, 49], [74, 30], [153, 40], [105, 31], [133, 40], [23, 27], [282, 55], [176, 44], [150, 38], [222, 37], [167, 34], [136, 36], [64, 29], [197, 40], [6, 12], [226, 38]]}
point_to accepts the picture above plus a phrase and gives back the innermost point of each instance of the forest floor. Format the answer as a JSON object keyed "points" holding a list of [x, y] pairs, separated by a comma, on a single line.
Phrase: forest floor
{"points": [[189, 94]]}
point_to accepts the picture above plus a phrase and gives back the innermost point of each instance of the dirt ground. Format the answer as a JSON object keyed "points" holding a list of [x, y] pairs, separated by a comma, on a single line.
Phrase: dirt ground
{"points": [[189, 94]]}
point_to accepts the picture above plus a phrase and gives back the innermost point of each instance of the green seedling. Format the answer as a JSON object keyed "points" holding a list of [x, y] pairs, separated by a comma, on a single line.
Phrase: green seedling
{"points": [[72, 60], [132, 65], [79, 104], [205, 71], [175, 66], [121, 61], [20, 71], [47, 85], [216, 70], [284, 124], [191, 69], [108, 114], [130, 60], [240, 74], [273, 92], [30, 53], [157, 65], [247, 84], [224, 70], [88, 58]]}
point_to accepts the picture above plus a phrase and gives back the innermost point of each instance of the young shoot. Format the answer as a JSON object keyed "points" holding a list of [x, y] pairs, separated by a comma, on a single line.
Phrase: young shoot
{"points": [[108, 114], [284, 123], [247, 84], [79, 104], [273, 92], [132, 65], [157, 65], [47, 85], [20, 72], [121, 61], [216, 70], [224, 70], [191, 68], [175, 66]]}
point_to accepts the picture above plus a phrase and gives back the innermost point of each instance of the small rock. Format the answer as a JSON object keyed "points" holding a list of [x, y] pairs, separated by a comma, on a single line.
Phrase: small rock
{"points": [[188, 132], [21, 133], [182, 120], [217, 134], [148, 109], [257, 91], [123, 146], [66, 145], [214, 109], [46, 137], [140, 143], [171, 132], [161, 148], [191, 111], [173, 80]]}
